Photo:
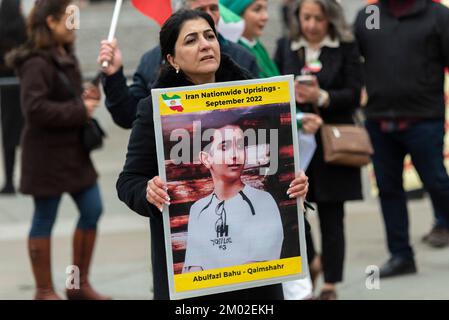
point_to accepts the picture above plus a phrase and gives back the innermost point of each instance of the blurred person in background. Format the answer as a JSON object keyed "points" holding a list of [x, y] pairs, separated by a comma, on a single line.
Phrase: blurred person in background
{"points": [[12, 34], [324, 47], [285, 11], [404, 66], [255, 14], [54, 161], [122, 100]]}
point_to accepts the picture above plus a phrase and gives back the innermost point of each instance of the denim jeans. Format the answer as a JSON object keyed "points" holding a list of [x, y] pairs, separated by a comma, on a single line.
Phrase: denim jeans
{"points": [[89, 205], [424, 142]]}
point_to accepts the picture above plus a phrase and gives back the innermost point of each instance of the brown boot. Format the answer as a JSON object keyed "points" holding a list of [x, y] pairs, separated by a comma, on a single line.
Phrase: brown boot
{"points": [[83, 247], [39, 252]]}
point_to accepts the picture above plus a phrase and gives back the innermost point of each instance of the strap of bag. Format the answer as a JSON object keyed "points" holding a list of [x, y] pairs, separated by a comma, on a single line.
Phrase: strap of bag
{"points": [[67, 84], [65, 80], [357, 115]]}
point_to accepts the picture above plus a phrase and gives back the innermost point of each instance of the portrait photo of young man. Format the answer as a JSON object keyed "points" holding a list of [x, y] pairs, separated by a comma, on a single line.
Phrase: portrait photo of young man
{"points": [[236, 224]]}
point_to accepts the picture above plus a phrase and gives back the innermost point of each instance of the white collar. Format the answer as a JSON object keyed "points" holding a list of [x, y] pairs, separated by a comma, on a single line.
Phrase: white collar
{"points": [[249, 43], [244, 190], [243, 193], [326, 42]]}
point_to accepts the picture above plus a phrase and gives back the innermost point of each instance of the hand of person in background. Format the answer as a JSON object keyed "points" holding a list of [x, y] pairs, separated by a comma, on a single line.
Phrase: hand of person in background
{"points": [[299, 187], [311, 123], [90, 105], [157, 193], [364, 97], [91, 91], [307, 93], [91, 98], [110, 52]]}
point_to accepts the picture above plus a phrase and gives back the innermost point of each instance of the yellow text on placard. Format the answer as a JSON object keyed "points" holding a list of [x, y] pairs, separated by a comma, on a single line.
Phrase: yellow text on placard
{"points": [[179, 102]]}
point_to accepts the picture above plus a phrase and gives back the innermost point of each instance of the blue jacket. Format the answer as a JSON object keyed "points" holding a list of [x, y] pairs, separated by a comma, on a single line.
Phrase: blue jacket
{"points": [[122, 100]]}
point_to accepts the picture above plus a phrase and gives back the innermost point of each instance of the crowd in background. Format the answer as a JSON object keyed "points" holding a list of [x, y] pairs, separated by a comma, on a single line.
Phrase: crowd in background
{"points": [[404, 112]]}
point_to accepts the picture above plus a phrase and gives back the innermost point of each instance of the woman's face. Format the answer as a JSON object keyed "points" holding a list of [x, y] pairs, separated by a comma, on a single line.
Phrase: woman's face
{"points": [[256, 17], [314, 24], [197, 52], [61, 32]]}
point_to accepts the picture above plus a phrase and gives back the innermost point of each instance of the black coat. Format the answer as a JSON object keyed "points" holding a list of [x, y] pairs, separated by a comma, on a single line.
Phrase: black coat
{"points": [[341, 77], [141, 165]]}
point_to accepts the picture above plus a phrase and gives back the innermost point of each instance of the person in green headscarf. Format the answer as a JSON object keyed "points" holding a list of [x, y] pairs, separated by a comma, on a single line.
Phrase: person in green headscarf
{"points": [[255, 14]]}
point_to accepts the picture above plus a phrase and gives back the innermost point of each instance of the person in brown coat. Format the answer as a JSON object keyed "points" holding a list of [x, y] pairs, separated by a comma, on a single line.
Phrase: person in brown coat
{"points": [[54, 161]]}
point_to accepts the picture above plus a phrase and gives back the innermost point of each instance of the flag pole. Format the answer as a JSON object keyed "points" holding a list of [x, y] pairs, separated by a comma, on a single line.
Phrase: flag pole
{"points": [[118, 6]]}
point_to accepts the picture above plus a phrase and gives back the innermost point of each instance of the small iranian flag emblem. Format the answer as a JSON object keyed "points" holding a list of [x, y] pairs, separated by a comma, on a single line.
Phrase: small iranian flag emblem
{"points": [[173, 102]]}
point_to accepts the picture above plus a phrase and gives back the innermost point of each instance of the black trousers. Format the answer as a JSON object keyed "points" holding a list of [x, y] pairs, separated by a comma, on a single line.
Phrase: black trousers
{"points": [[331, 216], [311, 252], [12, 123]]}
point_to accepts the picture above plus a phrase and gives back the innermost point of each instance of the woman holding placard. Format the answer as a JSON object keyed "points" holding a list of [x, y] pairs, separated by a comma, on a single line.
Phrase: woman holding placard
{"points": [[189, 45]]}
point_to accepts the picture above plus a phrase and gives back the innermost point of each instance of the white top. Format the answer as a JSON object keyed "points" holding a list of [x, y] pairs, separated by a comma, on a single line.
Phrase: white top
{"points": [[251, 230], [311, 53]]}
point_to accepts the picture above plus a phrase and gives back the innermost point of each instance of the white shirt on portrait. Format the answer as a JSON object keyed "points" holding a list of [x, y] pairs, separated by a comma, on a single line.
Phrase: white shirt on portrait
{"points": [[254, 230]]}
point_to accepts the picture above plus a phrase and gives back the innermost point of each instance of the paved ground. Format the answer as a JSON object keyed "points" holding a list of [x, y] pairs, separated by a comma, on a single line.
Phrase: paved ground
{"points": [[121, 266]]}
